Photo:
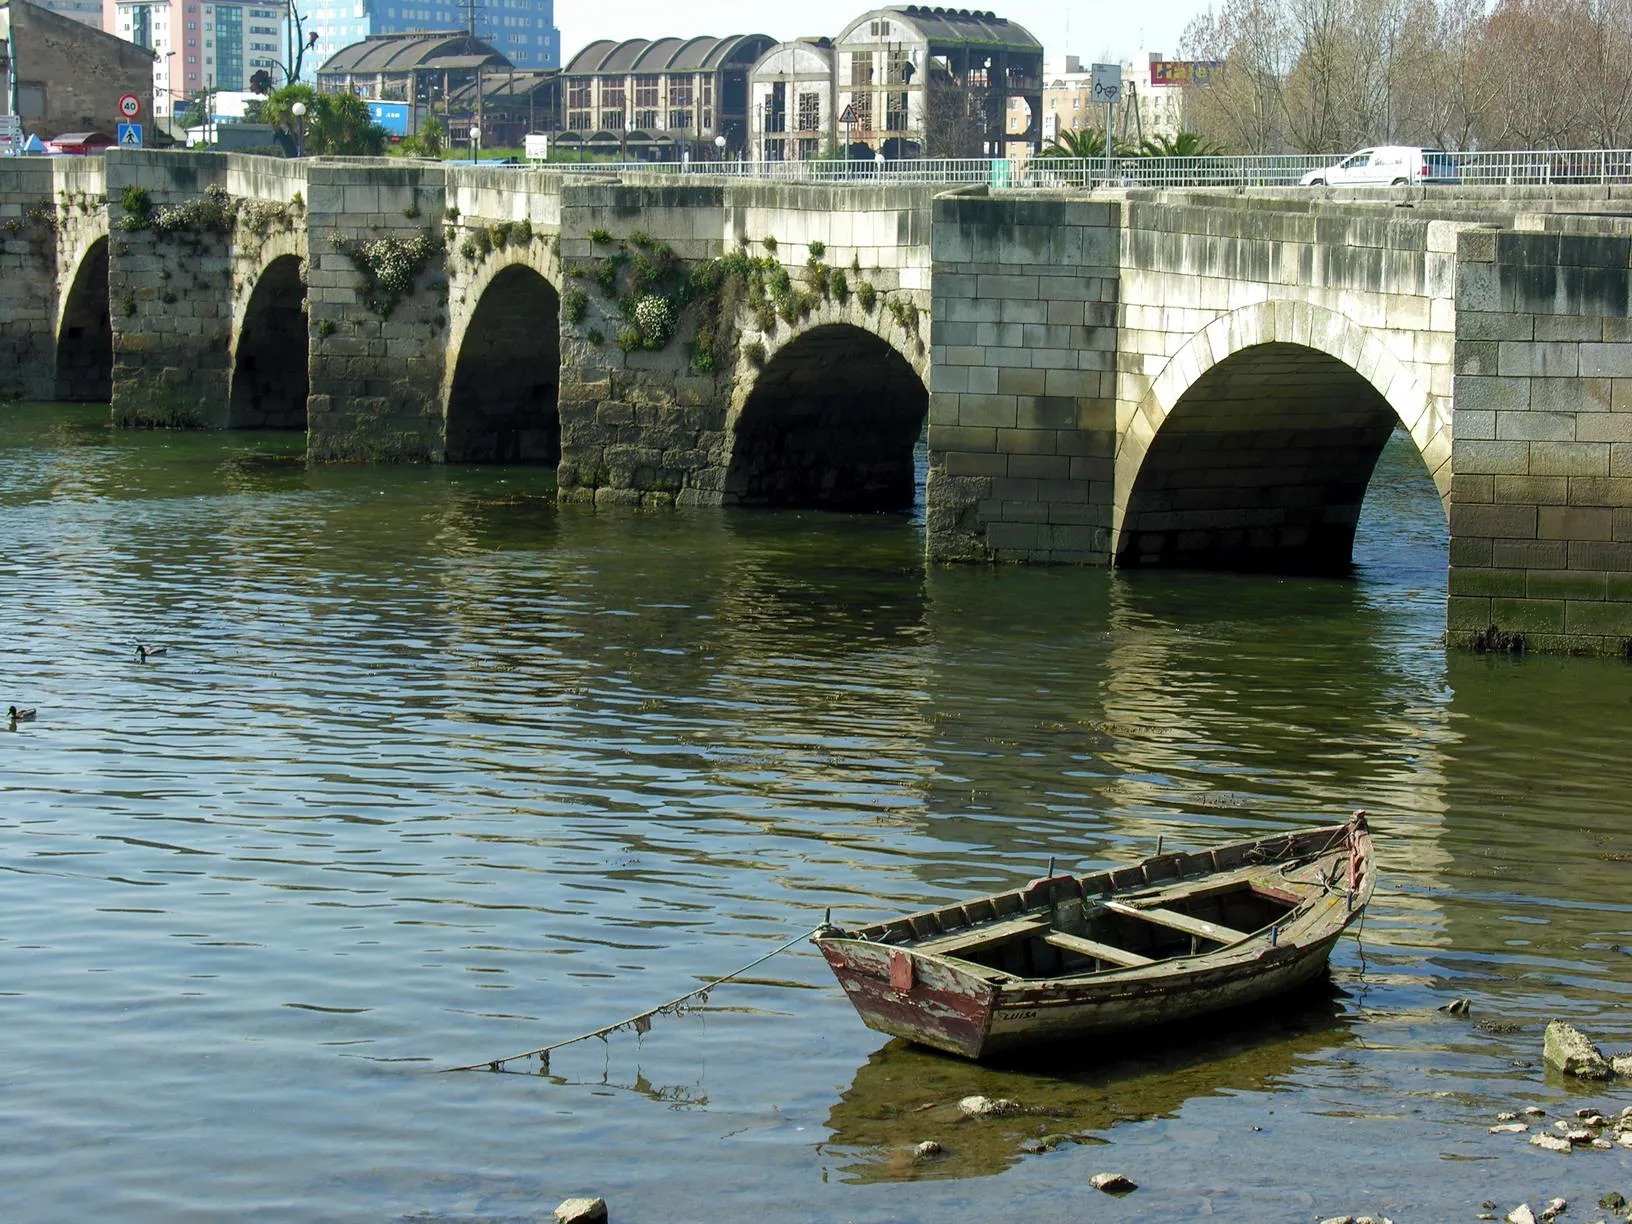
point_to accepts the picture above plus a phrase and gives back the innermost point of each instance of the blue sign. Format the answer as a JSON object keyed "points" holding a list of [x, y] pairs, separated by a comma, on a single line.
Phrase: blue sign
{"points": [[392, 116], [130, 135]]}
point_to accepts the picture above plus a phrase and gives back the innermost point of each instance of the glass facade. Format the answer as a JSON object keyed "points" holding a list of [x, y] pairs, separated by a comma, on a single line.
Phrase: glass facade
{"points": [[523, 31], [229, 47]]}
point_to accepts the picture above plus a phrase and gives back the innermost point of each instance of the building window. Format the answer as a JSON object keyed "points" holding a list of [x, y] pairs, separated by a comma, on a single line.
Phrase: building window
{"points": [[646, 101], [705, 101], [895, 112], [578, 94], [862, 104], [810, 112], [680, 99], [879, 29], [861, 68], [898, 68]]}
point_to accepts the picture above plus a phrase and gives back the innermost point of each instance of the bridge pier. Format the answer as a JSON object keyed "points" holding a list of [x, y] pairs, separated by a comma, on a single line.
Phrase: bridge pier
{"points": [[1541, 519]]}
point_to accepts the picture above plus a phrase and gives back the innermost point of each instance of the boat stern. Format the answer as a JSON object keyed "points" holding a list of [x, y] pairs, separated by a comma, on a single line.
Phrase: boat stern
{"points": [[920, 998]]}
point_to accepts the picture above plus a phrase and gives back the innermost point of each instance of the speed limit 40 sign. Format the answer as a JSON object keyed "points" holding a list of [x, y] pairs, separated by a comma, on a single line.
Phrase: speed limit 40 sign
{"points": [[130, 106]]}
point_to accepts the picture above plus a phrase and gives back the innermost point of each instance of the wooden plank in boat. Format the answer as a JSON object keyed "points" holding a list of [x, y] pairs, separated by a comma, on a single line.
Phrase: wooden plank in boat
{"points": [[1099, 951], [980, 936], [1179, 922]]}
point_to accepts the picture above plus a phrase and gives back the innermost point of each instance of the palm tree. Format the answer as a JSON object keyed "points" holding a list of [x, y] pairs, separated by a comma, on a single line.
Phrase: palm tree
{"points": [[1185, 144], [1086, 143]]}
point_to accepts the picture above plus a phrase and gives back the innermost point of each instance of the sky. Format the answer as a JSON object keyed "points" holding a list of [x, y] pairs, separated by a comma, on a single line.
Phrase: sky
{"points": [[1114, 31]]}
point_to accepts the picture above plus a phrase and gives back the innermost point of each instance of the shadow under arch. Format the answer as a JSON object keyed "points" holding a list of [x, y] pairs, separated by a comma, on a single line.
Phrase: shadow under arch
{"points": [[1255, 445], [270, 378], [84, 366], [502, 404], [830, 423]]}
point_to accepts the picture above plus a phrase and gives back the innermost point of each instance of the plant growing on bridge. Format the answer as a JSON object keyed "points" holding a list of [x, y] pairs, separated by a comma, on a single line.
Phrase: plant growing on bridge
{"points": [[574, 305], [138, 208], [654, 317], [41, 213], [389, 266]]}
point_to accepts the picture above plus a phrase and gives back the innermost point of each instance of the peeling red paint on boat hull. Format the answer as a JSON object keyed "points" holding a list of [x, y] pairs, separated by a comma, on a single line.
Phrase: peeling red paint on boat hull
{"points": [[943, 1008]]}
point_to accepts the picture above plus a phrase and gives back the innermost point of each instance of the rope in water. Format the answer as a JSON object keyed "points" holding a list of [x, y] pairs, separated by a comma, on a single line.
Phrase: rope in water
{"points": [[641, 1021]]}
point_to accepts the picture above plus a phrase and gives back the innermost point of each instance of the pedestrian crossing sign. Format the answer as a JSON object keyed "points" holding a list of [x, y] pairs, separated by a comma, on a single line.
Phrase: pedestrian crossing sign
{"points": [[130, 135]]}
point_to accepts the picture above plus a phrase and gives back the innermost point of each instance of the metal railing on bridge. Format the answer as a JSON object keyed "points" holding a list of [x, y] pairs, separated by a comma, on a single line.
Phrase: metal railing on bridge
{"points": [[1496, 168]]}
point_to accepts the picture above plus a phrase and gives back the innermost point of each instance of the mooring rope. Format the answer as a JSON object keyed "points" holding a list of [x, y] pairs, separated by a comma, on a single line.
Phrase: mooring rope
{"points": [[641, 1021]]}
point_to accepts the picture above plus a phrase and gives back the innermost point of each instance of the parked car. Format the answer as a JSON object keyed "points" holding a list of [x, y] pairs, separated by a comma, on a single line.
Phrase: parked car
{"points": [[1388, 166]]}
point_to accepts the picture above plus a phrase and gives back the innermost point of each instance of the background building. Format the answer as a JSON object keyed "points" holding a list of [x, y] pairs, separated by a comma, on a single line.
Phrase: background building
{"points": [[197, 45], [88, 12], [663, 100], [418, 72], [1153, 107], [792, 90], [67, 76], [522, 30], [907, 81]]}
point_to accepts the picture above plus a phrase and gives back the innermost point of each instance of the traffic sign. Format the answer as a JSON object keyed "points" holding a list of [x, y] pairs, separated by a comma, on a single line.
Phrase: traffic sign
{"points": [[849, 115], [130, 135], [11, 134], [130, 105], [1107, 83]]}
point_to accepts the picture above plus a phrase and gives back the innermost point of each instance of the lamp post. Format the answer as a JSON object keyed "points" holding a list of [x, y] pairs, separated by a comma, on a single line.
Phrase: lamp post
{"points": [[719, 148], [475, 140], [298, 110]]}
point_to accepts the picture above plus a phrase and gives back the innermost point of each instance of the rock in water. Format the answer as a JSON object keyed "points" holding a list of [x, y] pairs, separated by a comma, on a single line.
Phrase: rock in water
{"points": [[1509, 1128], [1553, 1143], [1566, 1049], [988, 1107], [582, 1211], [928, 1150], [1112, 1183], [1621, 1064], [1521, 1215]]}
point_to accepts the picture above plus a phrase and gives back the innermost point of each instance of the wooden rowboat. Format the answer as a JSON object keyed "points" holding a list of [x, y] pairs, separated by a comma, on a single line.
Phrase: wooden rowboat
{"points": [[1066, 957]]}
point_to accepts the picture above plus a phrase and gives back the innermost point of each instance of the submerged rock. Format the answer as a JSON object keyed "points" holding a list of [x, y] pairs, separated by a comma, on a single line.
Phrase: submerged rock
{"points": [[1509, 1128], [1555, 1207], [1552, 1143], [582, 1211], [1113, 1183], [1521, 1215], [1567, 1049], [1533, 1111], [928, 1150]]}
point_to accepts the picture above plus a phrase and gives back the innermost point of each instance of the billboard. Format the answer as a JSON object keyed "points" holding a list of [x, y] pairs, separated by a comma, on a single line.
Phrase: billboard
{"points": [[392, 116], [1183, 72]]}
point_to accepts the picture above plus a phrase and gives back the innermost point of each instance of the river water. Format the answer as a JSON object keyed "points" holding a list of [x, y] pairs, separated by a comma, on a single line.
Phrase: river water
{"points": [[433, 772]]}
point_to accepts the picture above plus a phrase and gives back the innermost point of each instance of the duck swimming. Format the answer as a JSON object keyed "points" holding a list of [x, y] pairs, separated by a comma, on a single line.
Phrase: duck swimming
{"points": [[144, 653], [13, 714]]}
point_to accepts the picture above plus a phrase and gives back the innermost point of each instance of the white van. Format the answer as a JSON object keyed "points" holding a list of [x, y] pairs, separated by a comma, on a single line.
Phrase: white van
{"points": [[1387, 166]]}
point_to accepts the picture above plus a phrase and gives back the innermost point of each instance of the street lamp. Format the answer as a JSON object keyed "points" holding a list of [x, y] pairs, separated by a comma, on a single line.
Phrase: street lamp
{"points": [[719, 148], [298, 110], [475, 138]]}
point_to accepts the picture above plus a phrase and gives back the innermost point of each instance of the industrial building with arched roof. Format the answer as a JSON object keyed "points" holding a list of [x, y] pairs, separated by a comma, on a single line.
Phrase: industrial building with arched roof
{"points": [[662, 99]]}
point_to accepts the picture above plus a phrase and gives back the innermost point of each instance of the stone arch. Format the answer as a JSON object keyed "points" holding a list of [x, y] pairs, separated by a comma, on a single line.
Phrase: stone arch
{"points": [[84, 350], [828, 414], [271, 376], [503, 379], [1253, 447]]}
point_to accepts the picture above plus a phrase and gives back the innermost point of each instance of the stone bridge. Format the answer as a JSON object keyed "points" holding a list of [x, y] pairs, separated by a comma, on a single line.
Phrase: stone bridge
{"points": [[1200, 378]]}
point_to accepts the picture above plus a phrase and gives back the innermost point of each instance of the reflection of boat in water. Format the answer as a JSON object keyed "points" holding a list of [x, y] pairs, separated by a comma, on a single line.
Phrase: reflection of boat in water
{"points": [[905, 1094], [1066, 957]]}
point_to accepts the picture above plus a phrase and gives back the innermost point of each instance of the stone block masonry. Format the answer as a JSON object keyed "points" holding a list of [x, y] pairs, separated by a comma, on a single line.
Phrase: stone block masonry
{"points": [[1541, 521], [1022, 418]]}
